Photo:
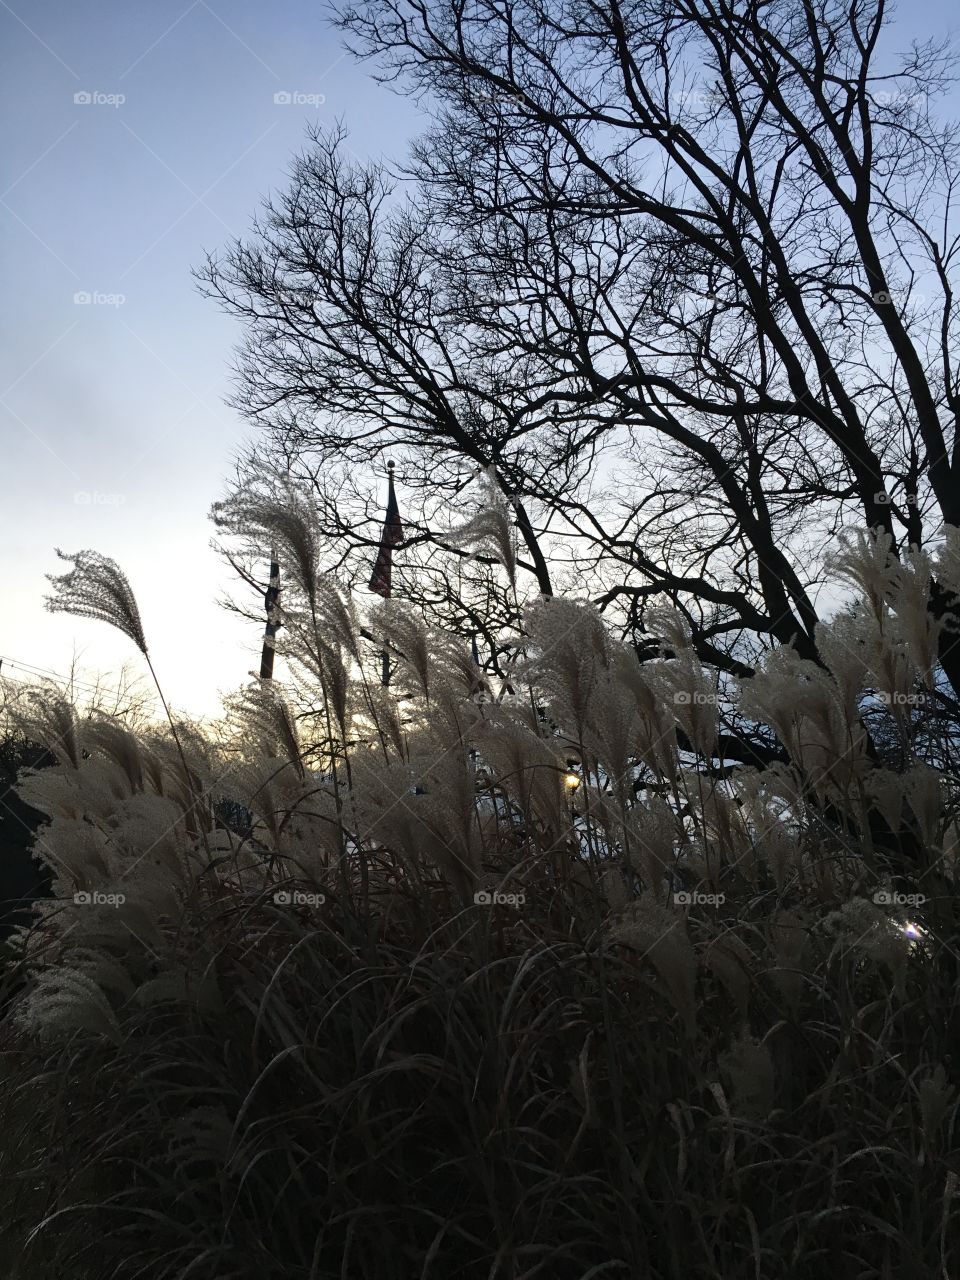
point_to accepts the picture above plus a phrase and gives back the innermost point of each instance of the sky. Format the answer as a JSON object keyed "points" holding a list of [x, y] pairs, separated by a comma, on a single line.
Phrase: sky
{"points": [[144, 135], [140, 136]]}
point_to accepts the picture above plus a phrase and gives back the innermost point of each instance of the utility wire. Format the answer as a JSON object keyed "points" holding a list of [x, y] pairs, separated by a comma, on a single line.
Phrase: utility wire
{"points": [[31, 670]]}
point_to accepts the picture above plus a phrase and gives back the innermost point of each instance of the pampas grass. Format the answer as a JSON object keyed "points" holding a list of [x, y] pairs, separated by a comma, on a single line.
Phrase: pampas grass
{"points": [[435, 1013], [96, 587]]}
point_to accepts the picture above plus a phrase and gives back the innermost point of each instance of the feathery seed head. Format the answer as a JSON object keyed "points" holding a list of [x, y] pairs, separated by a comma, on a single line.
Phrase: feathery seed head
{"points": [[96, 587], [284, 521], [491, 529]]}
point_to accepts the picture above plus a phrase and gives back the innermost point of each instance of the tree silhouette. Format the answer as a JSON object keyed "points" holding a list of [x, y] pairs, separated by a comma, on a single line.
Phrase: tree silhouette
{"points": [[683, 274]]}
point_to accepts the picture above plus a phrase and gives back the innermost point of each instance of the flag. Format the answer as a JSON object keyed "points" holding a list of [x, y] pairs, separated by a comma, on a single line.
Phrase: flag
{"points": [[381, 578]]}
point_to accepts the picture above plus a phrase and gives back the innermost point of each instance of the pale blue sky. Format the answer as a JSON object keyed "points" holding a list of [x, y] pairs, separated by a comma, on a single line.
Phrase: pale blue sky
{"points": [[113, 429], [124, 403]]}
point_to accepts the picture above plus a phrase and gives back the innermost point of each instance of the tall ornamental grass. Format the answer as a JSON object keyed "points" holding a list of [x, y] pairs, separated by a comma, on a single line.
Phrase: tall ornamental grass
{"points": [[491, 984]]}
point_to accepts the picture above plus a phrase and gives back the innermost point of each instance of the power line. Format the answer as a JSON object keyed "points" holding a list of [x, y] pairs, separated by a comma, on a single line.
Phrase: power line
{"points": [[43, 671]]}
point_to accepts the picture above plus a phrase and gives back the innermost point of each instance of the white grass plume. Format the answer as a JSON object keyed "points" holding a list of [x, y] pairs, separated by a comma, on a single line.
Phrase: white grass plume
{"points": [[96, 587]]}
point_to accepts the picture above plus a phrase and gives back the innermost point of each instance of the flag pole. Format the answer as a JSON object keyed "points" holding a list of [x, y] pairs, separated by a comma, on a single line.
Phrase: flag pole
{"points": [[271, 602], [385, 655], [381, 580]]}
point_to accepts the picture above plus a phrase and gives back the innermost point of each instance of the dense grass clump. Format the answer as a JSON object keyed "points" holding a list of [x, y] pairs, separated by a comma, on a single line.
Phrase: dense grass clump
{"points": [[423, 1096], [537, 985]]}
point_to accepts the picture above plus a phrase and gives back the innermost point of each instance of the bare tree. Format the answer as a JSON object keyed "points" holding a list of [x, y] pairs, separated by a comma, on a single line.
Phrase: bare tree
{"points": [[682, 271]]}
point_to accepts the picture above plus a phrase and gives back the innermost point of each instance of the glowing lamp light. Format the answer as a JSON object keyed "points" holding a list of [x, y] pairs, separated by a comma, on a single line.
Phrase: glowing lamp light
{"points": [[919, 937], [571, 781]]}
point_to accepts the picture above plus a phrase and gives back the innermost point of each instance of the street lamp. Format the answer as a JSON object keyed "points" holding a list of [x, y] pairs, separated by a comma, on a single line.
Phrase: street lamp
{"points": [[571, 784]]}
